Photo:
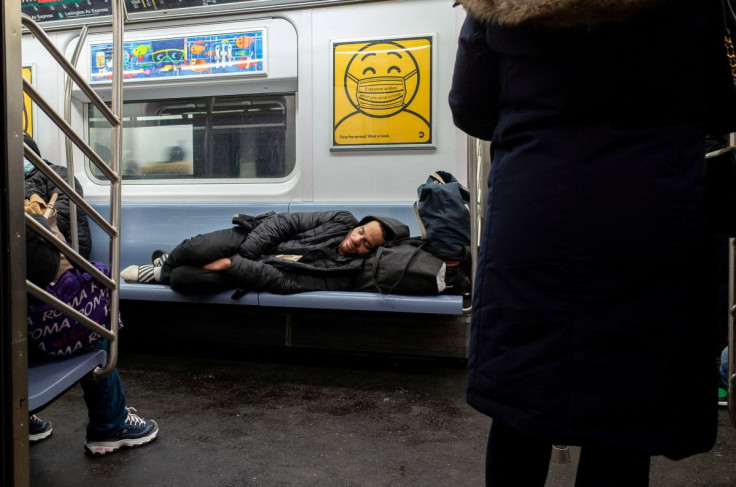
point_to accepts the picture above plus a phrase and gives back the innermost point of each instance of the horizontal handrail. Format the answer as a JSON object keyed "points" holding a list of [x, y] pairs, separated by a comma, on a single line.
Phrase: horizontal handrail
{"points": [[37, 31], [69, 191], [70, 253], [69, 131], [69, 311]]}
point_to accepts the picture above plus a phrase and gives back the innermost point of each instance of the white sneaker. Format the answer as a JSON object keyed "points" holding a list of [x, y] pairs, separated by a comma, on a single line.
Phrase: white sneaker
{"points": [[140, 273]]}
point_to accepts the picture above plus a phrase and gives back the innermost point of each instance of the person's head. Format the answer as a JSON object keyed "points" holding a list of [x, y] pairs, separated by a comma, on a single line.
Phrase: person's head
{"points": [[28, 166], [28, 140], [370, 233]]}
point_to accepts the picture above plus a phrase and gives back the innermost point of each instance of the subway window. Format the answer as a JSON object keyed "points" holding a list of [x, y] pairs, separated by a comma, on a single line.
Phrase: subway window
{"points": [[243, 137]]}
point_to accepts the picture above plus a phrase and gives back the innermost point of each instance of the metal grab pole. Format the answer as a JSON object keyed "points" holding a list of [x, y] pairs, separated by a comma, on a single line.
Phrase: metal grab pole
{"points": [[479, 164], [731, 331], [73, 230], [115, 186]]}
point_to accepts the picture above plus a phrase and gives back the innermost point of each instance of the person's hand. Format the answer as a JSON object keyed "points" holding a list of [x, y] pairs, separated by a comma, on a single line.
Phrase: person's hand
{"points": [[218, 265], [50, 214]]}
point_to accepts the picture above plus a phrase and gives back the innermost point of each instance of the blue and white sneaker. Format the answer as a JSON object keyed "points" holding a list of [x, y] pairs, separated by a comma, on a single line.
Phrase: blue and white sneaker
{"points": [[136, 432], [38, 429]]}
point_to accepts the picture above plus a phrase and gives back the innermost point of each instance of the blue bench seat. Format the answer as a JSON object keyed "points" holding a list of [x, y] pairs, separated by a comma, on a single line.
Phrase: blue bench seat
{"points": [[48, 380], [148, 226]]}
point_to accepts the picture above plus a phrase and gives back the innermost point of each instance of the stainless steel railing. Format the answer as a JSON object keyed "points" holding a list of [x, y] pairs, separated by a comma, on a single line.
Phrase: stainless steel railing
{"points": [[479, 163], [731, 331], [110, 226]]}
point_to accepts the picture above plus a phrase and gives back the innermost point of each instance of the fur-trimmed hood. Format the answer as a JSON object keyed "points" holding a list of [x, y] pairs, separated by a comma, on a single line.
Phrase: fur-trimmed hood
{"points": [[557, 13]]}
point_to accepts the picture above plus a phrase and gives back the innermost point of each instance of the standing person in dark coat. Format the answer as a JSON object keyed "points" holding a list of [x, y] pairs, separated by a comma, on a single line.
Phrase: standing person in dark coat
{"points": [[591, 321], [36, 182], [279, 252]]}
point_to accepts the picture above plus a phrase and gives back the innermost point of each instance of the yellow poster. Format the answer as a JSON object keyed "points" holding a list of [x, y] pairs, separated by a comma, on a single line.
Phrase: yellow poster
{"points": [[27, 105], [382, 93]]}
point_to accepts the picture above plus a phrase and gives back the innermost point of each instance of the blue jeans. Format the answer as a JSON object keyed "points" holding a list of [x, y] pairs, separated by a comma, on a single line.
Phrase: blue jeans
{"points": [[105, 401], [724, 368]]}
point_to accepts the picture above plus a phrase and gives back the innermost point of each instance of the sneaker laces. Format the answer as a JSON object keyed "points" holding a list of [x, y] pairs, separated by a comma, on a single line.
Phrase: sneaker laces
{"points": [[133, 419]]}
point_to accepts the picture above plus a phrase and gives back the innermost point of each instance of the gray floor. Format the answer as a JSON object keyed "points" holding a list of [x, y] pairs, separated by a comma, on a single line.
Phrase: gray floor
{"points": [[302, 421]]}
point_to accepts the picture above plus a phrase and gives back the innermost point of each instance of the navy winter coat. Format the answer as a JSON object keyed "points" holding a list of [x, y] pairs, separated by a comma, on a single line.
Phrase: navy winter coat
{"points": [[592, 314]]}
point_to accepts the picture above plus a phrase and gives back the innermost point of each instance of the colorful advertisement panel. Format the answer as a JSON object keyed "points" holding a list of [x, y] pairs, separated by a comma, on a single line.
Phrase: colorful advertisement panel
{"points": [[200, 55], [382, 93]]}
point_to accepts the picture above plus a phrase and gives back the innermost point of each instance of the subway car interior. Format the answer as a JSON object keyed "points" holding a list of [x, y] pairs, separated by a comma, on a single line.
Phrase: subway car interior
{"points": [[170, 117]]}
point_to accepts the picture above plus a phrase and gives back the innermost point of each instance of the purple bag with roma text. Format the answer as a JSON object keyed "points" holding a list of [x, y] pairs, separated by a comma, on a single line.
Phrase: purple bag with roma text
{"points": [[51, 333]]}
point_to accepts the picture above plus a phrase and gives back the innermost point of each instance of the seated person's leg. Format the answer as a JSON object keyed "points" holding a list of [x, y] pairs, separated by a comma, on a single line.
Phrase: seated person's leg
{"points": [[203, 249], [112, 425], [105, 401], [195, 280]]}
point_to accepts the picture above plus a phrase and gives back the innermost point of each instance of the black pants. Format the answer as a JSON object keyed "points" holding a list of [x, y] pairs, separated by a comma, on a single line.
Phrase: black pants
{"points": [[183, 271], [514, 459]]}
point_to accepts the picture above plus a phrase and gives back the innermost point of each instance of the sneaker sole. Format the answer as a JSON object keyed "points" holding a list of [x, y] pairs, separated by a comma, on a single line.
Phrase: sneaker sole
{"points": [[40, 436], [101, 448]]}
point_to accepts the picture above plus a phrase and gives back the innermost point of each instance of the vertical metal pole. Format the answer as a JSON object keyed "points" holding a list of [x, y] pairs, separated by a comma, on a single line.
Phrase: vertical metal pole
{"points": [[731, 311], [475, 209], [14, 469], [73, 230], [479, 164], [731, 332], [115, 187]]}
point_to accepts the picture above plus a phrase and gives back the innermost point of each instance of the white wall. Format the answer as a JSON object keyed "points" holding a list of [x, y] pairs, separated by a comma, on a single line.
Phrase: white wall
{"points": [[321, 175]]}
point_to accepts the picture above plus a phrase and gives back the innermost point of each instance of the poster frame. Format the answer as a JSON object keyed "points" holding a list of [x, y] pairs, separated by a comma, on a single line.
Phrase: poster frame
{"points": [[431, 143]]}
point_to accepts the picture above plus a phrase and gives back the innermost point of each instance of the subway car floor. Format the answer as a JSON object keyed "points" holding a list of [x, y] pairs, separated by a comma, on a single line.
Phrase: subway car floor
{"points": [[266, 418]]}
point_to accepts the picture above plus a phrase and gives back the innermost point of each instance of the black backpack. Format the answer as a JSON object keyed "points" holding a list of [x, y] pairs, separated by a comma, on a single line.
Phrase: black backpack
{"points": [[410, 266], [443, 212]]}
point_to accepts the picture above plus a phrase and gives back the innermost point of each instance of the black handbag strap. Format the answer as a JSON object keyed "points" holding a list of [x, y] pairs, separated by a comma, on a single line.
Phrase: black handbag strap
{"points": [[379, 254]]}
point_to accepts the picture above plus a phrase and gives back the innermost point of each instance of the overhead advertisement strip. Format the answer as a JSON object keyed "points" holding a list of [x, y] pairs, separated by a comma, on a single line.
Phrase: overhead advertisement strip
{"points": [[69, 12], [202, 55], [58, 14]]}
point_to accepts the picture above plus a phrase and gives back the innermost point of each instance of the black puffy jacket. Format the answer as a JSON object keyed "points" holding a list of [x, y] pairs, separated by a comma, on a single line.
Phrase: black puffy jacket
{"points": [[37, 182], [263, 263]]}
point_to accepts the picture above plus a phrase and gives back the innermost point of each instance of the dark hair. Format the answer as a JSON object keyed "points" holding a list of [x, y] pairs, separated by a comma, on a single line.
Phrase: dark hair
{"points": [[31, 143], [391, 228]]}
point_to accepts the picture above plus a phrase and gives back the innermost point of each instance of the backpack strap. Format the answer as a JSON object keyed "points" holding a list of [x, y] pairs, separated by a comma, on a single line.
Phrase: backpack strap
{"points": [[422, 228], [437, 178]]}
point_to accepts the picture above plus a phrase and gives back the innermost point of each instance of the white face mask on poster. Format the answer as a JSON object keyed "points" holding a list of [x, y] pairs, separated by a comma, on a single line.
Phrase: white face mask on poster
{"points": [[383, 92]]}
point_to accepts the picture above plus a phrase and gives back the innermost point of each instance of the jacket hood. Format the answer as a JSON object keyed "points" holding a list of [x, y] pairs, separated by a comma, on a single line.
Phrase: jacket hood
{"points": [[32, 144], [394, 227], [557, 13]]}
